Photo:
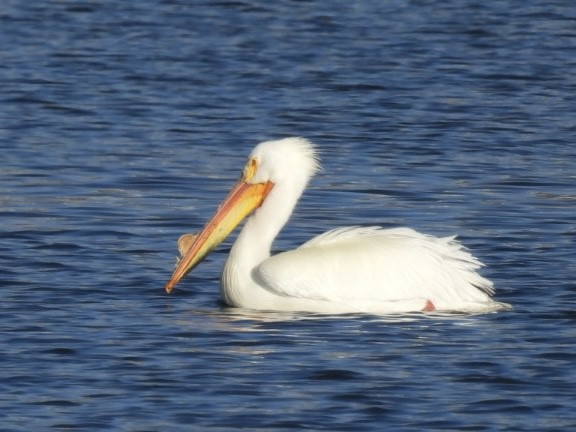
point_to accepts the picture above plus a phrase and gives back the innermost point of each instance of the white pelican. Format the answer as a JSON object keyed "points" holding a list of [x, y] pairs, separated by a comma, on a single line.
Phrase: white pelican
{"points": [[346, 270]]}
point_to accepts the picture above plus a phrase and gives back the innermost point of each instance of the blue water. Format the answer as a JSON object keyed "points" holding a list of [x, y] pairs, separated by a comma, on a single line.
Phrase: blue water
{"points": [[123, 124]]}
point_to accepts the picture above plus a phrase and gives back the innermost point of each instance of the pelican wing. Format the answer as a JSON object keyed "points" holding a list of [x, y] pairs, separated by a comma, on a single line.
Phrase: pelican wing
{"points": [[374, 264]]}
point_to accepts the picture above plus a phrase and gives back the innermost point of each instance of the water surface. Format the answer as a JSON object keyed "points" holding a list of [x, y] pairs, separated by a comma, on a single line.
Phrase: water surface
{"points": [[122, 126]]}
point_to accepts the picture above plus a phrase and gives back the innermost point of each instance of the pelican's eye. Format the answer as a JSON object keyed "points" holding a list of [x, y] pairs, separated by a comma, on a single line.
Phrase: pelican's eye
{"points": [[250, 169]]}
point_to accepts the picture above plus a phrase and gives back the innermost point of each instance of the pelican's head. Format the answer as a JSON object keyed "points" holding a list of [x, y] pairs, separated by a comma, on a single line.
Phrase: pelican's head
{"points": [[284, 161], [290, 161]]}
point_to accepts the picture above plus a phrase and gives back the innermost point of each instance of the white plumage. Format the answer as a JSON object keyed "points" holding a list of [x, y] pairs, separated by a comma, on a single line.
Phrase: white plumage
{"points": [[346, 270]]}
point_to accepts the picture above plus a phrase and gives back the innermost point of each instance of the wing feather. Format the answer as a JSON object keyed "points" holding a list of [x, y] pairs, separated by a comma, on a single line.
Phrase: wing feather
{"points": [[370, 263]]}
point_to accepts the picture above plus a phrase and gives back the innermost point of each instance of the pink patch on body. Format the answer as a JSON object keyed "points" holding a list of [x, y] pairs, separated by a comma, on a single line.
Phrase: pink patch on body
{"points": [[429, 307]]}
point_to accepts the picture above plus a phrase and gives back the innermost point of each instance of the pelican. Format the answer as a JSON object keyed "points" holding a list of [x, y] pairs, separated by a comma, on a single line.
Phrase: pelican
{"points": [[345, 270]]}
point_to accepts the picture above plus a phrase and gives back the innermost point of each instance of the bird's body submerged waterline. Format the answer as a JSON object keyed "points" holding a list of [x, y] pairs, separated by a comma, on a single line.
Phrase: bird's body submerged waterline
{"points": [[347, 270]]}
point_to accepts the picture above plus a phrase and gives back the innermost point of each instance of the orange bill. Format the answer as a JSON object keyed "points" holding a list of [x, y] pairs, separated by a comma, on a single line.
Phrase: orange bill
{"points": [[240, 202]]}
